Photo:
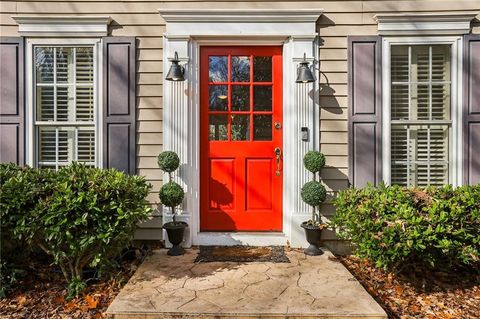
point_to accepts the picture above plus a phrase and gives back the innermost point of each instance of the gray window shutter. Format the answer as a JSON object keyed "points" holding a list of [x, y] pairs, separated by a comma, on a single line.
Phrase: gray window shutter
{"points": [[12, 103], [119, 103], [364, 110], [471, 109]]}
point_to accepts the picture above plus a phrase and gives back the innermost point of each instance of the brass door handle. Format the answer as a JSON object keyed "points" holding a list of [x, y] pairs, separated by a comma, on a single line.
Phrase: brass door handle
{"points": [[278, 154]]}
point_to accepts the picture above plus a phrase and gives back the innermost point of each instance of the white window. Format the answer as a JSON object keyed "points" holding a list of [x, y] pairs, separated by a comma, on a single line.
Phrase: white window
{"points": [[422, 139], [64, 104]]}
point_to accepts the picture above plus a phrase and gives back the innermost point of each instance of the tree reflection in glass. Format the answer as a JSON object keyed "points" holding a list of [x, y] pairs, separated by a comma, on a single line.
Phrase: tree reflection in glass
{"points": [[240, 69], [240, 130], [218, 68], [262, 69], [218, 97], [262, 127], [240, 98]]}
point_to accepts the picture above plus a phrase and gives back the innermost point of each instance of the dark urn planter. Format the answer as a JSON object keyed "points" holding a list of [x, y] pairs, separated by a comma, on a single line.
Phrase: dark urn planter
{"points": [[175, 231], [313, 234]]}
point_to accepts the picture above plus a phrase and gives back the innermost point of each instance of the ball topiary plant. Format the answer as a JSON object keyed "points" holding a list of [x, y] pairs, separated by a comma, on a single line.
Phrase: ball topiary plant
{"points": [[168, 161], [314, 193], [171, 193]]}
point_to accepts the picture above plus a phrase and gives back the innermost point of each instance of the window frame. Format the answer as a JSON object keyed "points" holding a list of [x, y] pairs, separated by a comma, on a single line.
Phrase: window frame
{"points": [[30, 116], [456, 140]]}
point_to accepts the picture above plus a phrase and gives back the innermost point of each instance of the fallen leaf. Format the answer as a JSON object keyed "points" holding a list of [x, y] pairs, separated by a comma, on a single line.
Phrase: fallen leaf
{"points": [[21, 300], [92, 302]]}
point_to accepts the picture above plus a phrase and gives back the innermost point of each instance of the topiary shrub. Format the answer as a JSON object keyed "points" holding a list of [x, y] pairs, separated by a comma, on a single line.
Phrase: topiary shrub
{"points": [[314, 193], [171, 193], [79, 215], [168, 161], [314, 161], [399, 228]]}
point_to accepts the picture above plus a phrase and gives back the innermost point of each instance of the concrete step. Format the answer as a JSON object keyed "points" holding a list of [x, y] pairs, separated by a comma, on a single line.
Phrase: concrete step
{"points": [[174, 287]]}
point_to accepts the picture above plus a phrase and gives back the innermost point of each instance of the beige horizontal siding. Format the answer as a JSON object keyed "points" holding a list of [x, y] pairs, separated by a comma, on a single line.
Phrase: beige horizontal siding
{"points": [[140, 18]]}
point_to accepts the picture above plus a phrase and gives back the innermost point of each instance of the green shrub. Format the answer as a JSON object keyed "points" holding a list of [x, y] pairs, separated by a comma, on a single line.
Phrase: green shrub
{"points": [[314, 161], [79, 215], [397, 227], [168, 161], [171, 194], [313, 193]]}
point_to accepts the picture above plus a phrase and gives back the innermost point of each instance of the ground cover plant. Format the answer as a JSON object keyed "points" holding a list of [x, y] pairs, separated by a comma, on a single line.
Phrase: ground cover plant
{"points": [[80, 216], [399, 228]]}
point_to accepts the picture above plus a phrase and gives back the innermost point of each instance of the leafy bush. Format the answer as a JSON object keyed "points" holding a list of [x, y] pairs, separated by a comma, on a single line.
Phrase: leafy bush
{"points": [[397, 227], [314, 161], [79, 215], [313, 192], [171, 194], [168, 161]]}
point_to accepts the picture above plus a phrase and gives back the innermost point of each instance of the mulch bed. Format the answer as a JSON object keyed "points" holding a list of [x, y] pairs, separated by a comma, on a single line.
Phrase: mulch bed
{"points": [[41, 293], [274, 254], [422, 293]]}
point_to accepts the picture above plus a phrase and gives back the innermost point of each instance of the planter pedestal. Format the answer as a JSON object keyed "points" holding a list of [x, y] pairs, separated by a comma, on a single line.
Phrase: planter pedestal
{"points": [[313, 235], [175, 233]]}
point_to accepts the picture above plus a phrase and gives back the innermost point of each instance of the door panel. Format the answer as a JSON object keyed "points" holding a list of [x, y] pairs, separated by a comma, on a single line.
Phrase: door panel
{"points": [[240, 129]]}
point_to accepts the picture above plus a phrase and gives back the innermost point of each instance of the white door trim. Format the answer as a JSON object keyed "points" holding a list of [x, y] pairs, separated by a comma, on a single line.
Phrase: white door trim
{"points": [[300, 108]]}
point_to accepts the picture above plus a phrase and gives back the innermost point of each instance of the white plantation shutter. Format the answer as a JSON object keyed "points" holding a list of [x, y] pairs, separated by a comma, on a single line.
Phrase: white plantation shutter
{"points": [[65, 105], [420, 114]]}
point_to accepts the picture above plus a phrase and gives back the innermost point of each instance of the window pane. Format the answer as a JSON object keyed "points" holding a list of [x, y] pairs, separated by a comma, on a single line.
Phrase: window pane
{"points": [[84, 65], [240, 130], [218, 97], [218, 68], [399, 63], [218, 127], [65, 65], [262, 99], [441, 102], [62, 145], [420, 102], [262, 69], [47, 146], [416, 148], [420, 70], [84, 107], [65, 103], [262, 127], [441, 63], [240, 69], [86, 146], [45, 103], [240, 97], [44, 64], [399, 101]]}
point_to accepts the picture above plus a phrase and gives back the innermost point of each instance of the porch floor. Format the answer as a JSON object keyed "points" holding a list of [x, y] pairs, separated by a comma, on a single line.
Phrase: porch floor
{"points": [[320, 287]]}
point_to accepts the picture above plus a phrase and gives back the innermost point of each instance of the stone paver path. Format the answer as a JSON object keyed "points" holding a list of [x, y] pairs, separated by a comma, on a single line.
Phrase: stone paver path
{"points": [[318, 287]]}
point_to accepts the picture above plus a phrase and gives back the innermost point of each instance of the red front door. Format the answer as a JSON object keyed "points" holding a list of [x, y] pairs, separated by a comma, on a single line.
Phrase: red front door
{"points": [[241, 138]]}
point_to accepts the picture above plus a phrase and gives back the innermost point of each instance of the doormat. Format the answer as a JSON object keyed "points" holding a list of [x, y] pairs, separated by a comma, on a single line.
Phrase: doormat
{"points": [[275, 254]]}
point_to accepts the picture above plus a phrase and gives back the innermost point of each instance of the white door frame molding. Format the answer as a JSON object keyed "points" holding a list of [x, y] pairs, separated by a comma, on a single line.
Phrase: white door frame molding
{"points": [[186, 31]]}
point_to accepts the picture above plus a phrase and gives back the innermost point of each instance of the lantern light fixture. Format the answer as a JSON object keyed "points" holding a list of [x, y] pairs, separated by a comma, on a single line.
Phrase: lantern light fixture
{"points": [[304, 74], [176, 72]]}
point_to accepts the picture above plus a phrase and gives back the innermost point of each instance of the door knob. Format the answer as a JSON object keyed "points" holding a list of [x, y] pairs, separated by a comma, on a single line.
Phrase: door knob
{"points": [[278, 153]]}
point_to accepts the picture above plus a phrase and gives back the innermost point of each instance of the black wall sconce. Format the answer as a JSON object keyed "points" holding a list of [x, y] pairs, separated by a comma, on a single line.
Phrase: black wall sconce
{"points": [[176, 72], [304, 74]]}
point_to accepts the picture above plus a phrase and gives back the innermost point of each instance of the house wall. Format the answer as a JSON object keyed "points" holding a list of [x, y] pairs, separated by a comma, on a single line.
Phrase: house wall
{"points": [[142, 20]]}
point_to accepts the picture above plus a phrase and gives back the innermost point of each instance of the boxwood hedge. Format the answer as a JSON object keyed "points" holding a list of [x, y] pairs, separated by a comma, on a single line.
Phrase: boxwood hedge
{"points": [[397, 227]]}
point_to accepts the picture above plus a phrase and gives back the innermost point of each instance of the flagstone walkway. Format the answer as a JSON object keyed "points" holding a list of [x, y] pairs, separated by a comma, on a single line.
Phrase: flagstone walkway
{"points": [[320, 287]]}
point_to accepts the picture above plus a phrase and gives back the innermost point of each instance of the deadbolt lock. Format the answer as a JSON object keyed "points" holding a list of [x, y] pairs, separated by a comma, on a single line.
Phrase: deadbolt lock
{"points": [[278, 125]]}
